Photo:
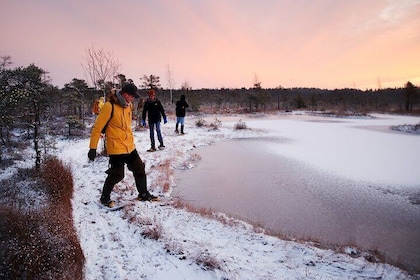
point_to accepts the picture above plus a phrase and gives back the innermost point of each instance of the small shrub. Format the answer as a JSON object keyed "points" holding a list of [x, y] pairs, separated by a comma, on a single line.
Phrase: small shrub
{"points": [[240, 125], [216, 124], [200, 122]]}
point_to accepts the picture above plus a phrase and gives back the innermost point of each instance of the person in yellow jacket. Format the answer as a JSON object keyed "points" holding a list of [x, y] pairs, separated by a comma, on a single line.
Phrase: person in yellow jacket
{"points": [[97, 105], [119, 144]]}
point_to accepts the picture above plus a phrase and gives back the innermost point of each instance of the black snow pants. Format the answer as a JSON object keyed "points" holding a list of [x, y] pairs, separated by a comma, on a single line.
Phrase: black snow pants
{"points": [[116, 173]]}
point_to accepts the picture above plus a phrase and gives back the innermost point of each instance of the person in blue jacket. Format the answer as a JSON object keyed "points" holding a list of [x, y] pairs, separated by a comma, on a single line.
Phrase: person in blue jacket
{"points": [[154, 110]]}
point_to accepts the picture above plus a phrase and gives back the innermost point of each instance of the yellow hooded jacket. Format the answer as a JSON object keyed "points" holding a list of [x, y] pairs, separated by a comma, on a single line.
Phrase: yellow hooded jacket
{"points": [[119, 135]]}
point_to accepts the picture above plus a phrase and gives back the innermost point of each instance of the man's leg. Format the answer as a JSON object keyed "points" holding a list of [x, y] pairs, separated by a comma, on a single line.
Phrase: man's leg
{"points": [[115, 174], [136, 165], [182, 125], [159, 134], [152, 133]]}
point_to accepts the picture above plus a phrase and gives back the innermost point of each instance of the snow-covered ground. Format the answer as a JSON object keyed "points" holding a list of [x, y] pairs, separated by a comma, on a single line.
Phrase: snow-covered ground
{"points": [[187, 245]]}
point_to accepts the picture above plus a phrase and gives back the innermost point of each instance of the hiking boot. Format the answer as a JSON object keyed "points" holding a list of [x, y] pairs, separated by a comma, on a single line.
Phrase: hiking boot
{"points": [[152, 149], [147, 197], [109, 203], [161, 147]]}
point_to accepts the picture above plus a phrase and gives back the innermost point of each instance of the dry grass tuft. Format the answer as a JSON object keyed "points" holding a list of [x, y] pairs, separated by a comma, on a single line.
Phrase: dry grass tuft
{"points": [[205, 212]]}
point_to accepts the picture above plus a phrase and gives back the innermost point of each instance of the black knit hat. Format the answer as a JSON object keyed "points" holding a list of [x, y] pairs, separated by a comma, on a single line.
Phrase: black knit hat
{"points": [[131, 89]]}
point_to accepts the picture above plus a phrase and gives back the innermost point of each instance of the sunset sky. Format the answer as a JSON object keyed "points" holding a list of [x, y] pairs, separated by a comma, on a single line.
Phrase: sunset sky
{"points": [[222, 43]]}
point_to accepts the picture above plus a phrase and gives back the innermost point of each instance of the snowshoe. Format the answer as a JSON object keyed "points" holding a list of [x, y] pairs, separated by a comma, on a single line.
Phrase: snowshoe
{"points": [[147, 197]]}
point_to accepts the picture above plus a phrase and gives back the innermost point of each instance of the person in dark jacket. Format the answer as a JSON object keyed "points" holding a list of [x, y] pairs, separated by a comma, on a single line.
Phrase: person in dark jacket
{"points": [[181, 105], [154, 109]]}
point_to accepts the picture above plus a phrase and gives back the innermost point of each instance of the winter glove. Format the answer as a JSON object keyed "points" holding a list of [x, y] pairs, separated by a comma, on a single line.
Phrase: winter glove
{"points": [[165, 120], [143, 122], [92, 154]]}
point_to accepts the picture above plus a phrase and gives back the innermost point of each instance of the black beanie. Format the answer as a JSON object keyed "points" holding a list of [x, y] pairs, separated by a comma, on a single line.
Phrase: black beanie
{"points": [[131, 89]]}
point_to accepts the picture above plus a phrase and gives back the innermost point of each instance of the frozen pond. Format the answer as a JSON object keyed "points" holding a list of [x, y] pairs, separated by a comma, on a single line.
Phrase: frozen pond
{"points": [[352, 183]]}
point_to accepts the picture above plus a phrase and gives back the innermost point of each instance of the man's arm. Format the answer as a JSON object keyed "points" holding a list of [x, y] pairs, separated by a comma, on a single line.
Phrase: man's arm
{"points": [[100, 123], [143, 115]]}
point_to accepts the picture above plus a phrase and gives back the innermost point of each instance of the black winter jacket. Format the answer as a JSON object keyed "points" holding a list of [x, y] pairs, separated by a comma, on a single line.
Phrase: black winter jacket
{"points": [[154, 109], [181, 105]]}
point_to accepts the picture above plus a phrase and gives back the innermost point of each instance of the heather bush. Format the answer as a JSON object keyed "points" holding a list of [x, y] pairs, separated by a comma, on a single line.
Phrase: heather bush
{"points": [[57, 181], [38, 240]]}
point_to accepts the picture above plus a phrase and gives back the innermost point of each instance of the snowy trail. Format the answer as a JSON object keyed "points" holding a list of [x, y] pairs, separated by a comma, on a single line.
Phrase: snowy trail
{"points": [[190, 246], [111, 244]]}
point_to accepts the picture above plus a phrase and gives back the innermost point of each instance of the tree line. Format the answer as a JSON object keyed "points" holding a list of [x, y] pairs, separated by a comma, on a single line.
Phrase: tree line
{"points": [[33, 109]]}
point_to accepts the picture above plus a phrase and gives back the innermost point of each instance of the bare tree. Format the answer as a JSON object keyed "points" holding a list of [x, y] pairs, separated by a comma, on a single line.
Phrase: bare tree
{"points": [[171, 82], [100, 67]]}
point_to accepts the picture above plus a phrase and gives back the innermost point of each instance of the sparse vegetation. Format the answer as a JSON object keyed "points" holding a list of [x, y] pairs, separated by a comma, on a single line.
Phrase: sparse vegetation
{"points": [[213, 125]]}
